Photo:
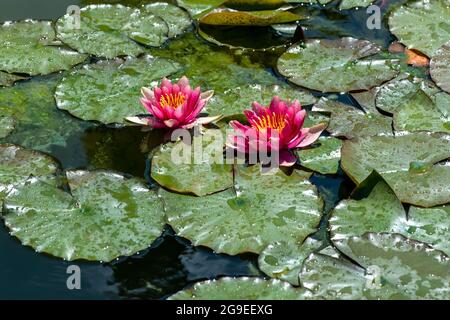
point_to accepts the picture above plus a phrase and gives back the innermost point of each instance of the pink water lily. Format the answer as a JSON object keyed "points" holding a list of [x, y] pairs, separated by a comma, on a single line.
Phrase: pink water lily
{"points": [[173, 105], [279, 127]]}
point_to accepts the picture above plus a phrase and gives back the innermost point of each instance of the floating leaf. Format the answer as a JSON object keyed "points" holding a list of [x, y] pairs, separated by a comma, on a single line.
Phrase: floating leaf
{"points": [[350, 122], [439, 67], [23, 49], [323, 158], [243, 288], [349, 4], [263, 209], [417, 105], [422, 25], [394, 268], [176, 19], [197, 8], [391, 158], [18, 164], [7, 125], [229, 17], [233, 102], [39, 124], [112, 30], [284, 260], [341, 65], [105, 216], [109, 91], [416, 58], [196, 167], [7, 80]]}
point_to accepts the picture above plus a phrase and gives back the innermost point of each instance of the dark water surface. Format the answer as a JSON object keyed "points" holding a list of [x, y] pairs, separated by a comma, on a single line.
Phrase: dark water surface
{"points": [[171, 263]]}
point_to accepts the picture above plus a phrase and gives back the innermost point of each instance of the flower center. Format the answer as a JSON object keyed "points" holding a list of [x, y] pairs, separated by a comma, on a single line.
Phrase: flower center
{"points": [[172, 100], [272, 121]]}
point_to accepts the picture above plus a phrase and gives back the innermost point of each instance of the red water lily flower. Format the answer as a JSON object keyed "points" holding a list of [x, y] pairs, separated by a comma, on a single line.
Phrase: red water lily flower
{"points": [[173, 105], [278, 128]]}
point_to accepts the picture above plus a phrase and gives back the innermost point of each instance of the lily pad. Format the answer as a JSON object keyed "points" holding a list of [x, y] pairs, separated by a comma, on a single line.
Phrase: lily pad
{"points": [[417, 105], [7, 125], [350, 122], [176, 19], [39, 124], [394, 267], [284, 261], [112, 30], [243, 288], [439, 67], [341, 65], [349, 4], [422, 25], [197, 8], [7, 79], [196, 167], [109, 91], [229, 17], [409, 163], [263, 209], [25, 48], [17, 165], [105, 216], [233, 102], [323, 158]]}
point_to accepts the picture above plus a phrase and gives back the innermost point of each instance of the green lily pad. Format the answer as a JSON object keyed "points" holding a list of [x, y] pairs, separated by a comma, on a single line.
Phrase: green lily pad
{"points": [[112, 30], [109, 91], [394, 267], [324, 158], [422, 25], [284, 260], [263, 209], [439, 67], [229, 17], [243, 288], [196, 167], [233, 102], [25, 48], [408, 163], [7, 79], [349, 4], [350, 122], [17, 165], [341, 65], [7, 125], [212, 68], [105, 216], [39, 124], [417, 105], [197, 8], [176, 19]]}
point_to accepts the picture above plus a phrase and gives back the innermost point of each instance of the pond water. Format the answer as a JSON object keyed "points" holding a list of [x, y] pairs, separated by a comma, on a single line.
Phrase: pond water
{"points": [[172, 263]]}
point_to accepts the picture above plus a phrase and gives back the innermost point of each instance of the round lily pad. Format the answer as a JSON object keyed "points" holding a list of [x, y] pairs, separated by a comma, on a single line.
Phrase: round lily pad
{"points": [[409, 163], [197, 8], [349, 4], [350, 122], [233, 102], [112, 30], [195, 166], [341, 65], [177, 20], [7, 79], [394, 268], [263, 209], [229, 17], [284, 261], [323, 158], [422, 25], [105, 216], [17, 165], [25, 47], [243, 288], [7, 125], [109, 91], [417, 105], [439, 67]]}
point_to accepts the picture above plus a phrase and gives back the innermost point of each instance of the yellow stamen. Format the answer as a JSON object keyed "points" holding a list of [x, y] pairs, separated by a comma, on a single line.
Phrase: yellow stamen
{"points": [[272, 121], [172, 100]]}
